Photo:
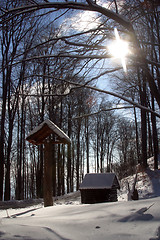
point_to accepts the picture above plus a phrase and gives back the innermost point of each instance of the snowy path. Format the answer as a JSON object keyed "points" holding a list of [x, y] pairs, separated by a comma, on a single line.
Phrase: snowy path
{"points": [[135, 220]]}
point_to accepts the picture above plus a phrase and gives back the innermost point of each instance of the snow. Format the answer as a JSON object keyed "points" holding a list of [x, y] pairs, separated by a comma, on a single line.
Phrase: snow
{"points": [[68, 219], [120, 220], [148, 182], [53, 127]]}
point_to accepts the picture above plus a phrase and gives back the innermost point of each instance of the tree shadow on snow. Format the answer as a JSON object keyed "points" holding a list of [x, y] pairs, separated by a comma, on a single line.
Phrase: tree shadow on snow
{"points": [[2, 234], [56, 236], [22, 213], [55, 233], [139, 215]]}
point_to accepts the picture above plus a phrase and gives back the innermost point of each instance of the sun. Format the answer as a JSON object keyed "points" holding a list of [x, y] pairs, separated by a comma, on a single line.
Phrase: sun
{"points": [[119, 49]]}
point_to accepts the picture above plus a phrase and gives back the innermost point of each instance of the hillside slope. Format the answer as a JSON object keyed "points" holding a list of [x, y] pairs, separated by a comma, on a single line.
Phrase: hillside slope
{"points": [[148, 183]]}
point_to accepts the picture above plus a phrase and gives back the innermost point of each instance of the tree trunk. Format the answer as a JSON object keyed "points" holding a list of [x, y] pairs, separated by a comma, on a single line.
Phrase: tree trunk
{"points": [[150, 147], [39, 172], [97, 144], [142, 91], [54, 182], [87, 143], [2, 134], [59, 168], [102, 152], [137, 136], [62, 169], [7, 166], [69, 152], [144, 128], [78, 154], [155, 137], [72, 169], [3, 118]]}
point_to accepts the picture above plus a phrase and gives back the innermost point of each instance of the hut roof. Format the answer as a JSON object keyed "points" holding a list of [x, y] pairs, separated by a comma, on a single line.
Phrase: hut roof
{"points": [[45, 129], [99, 181]]}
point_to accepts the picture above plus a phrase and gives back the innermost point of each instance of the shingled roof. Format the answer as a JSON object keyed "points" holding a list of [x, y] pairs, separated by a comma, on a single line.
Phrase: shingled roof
{"points": [[45, 129], [99, 181]]}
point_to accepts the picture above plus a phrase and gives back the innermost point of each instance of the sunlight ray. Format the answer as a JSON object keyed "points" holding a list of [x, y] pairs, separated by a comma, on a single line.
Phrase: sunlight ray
{"points": [[119, 49]]}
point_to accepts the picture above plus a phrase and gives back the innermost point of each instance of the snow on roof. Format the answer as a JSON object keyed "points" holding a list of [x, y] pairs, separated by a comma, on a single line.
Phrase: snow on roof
{"points": [[41, 132], [99, 181]]}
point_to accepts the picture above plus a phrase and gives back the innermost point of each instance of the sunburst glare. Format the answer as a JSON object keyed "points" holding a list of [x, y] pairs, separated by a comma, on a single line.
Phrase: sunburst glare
{"points": [[119, 49]]}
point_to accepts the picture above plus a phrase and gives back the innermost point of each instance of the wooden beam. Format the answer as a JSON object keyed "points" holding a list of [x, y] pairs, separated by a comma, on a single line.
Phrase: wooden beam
{"points": [[48, 196]]}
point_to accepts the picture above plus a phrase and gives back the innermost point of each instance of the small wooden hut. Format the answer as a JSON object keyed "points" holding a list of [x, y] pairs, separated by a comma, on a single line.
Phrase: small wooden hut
{"points": [[48, 133], [99, 187]]}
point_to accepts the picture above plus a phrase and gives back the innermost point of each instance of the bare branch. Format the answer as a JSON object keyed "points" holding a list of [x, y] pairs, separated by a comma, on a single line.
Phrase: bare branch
{"points": [[83, 45], [63, 56], [153, 63], [118, 96], [92, 6], [71, 5], [102, 110], [62, 38], [149, 43], [102, 91]]}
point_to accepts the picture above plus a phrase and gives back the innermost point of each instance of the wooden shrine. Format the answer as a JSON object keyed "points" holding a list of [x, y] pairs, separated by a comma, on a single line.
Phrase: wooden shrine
{"points": [[99, 187], [40, 135]]}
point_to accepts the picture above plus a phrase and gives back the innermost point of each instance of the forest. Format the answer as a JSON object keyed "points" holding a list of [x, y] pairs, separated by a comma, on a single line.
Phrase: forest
{"points": [[55, 64]]}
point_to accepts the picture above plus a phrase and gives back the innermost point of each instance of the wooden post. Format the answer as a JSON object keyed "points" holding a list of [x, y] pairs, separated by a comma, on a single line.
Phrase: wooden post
{"points": [[39, 136], [47, 188]]}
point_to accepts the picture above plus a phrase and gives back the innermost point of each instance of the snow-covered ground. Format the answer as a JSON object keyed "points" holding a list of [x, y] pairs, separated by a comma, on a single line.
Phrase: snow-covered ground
{"points": [[133, 220], [148, 183], [68, 219]]}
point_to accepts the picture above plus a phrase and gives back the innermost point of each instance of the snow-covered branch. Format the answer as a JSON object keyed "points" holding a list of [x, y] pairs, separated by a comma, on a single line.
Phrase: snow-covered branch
{"points": [[67, 5]]}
